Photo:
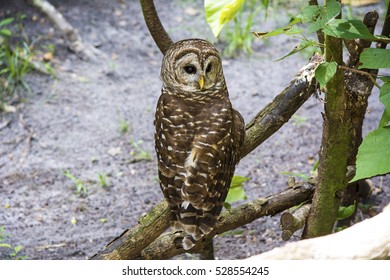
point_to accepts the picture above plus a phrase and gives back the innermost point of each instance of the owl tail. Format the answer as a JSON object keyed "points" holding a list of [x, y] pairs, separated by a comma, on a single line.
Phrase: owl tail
{"points": [[195, 223]]}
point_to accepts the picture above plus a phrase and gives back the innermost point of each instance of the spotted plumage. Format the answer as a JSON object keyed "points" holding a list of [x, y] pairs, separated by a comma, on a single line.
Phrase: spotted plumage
{"points": [[198, 137]]}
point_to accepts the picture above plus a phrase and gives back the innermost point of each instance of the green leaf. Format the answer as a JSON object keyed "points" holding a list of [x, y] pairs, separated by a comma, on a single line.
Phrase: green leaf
{"points": [[384, 97], [331, 10], [236, 190], [6, 21], [219, 12], [346, 212], [5, 245], [289, 30], [299, 48], [309, 13], [325, 72], [5, 32], [348, 29], [375, 58], [374, 154]]}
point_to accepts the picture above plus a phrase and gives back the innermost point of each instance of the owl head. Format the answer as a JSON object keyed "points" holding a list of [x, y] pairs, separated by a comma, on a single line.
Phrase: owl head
{"points": [[192, 66]]}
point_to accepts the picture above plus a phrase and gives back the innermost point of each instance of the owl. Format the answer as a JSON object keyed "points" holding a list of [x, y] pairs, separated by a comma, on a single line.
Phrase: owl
{"points": [[198, 137]]}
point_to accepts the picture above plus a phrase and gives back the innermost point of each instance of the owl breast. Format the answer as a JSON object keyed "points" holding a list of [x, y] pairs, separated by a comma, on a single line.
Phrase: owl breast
{"points": [[197, 150]]}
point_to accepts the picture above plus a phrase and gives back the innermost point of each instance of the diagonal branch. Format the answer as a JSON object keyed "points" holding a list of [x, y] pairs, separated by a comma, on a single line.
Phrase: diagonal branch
{"points": [[131, 243], [156, 29]]}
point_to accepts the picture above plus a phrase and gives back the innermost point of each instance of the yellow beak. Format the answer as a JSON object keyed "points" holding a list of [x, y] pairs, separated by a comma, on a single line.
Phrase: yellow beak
{"points": [[201, 82]]}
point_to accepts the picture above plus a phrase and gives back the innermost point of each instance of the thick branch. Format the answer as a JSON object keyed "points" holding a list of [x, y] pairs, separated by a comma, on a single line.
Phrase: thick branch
{"points": [[132, 241], [165, 246], [156, 29], [274, 115], [369, 239], [335, 147]]}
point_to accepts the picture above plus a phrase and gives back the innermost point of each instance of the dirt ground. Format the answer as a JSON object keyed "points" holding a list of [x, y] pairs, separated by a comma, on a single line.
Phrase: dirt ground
{"points": [[77, 122]]}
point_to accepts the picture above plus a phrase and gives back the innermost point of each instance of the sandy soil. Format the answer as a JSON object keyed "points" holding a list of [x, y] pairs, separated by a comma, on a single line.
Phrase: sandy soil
{"points": [[75, 122]]}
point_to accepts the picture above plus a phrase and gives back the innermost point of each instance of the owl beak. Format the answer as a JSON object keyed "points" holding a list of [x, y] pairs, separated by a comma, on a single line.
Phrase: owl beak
{"points": [[201, 82]]}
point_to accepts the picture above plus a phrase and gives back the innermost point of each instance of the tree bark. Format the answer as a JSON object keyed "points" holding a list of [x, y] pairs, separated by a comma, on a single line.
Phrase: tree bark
{"points": [[291, 222], [156, 29], [335, 148]]}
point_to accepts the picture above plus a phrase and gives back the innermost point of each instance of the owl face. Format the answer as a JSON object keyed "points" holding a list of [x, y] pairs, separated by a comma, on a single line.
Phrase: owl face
{"points": [[192, 66]]}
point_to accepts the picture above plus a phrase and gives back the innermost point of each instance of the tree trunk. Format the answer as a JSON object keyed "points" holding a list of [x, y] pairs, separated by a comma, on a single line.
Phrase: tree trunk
{"points": [[335, 148]]}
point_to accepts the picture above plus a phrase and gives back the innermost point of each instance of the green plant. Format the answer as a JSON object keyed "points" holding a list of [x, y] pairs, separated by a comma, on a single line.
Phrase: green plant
{"points": [[138, 153], [236, 190], [81, 188], [103, 180], [14, 64], [239, 37], [123, 126], [12, 251]]}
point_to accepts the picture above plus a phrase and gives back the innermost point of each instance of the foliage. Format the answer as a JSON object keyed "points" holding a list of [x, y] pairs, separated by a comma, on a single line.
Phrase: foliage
{"points": [[14, 64], [81, 188], [219, 12], [236, 190], [374, 153], [12, 251], [138, 153], [243, 13], [346, 212], [103, 179], [325, 72]]}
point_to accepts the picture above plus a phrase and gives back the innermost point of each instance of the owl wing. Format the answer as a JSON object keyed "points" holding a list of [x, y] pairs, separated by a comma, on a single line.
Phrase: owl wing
{"points": [[210, 168]]}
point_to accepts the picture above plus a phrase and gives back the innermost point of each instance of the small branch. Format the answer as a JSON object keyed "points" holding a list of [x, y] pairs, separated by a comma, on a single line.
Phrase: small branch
{"points": [[156, 29], [367, 240], [292, 222], [369, 75]]}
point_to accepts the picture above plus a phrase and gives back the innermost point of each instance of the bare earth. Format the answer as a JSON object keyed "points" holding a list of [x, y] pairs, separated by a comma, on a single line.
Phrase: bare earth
{"points": [[73, 123]]}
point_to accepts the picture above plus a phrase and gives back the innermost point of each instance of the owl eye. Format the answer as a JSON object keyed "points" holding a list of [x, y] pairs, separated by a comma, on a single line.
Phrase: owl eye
{"points": [[208, 69], [190, 69]]}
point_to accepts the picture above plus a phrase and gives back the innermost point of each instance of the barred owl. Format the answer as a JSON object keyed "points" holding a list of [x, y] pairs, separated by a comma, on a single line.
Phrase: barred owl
{"points": [[198, 137]]}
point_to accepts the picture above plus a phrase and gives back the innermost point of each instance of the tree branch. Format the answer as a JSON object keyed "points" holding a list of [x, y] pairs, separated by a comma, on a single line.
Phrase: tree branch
{"points": [[168, 246], [290, 222], [156, 29], [69, 33], [369, 239], [274, 115]]}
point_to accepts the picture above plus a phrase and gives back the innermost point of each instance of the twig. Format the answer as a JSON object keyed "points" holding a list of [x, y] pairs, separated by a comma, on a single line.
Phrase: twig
{"points": [[369, 75]]}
